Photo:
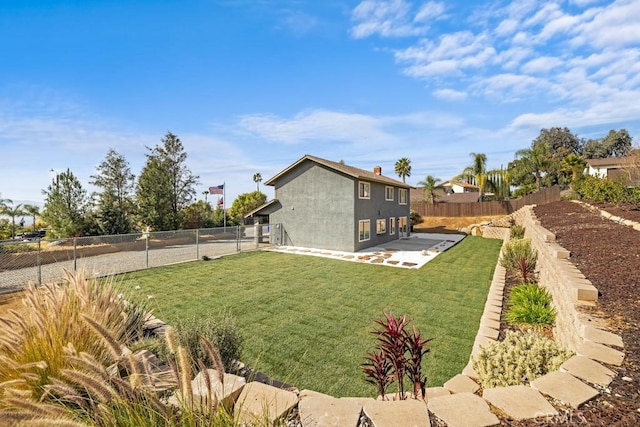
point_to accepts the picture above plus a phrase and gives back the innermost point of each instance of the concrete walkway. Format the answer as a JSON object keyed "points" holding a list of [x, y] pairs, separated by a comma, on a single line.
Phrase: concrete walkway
{"points": [[411, 252]]}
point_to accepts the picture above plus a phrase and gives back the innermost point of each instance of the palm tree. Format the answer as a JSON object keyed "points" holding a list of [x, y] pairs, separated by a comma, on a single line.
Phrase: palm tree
{"points": [[403, 168], [257, 178], [535, 160], [34, 211], [477, 173], [3, 203], [13, 212], [575, 164], [430, 185]]}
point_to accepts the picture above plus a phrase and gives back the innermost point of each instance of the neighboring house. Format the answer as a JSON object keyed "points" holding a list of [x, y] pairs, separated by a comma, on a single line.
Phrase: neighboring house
{"points": [[329, 205], [452, 192], [610, 167]]}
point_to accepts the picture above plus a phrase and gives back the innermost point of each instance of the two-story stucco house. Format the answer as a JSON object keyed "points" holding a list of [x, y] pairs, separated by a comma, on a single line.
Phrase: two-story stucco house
{"points": [[329, 205]]}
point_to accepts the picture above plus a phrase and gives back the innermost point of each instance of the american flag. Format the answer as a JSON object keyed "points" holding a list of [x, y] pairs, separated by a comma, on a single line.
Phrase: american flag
{"points": [[217, 190], [221, 202]]}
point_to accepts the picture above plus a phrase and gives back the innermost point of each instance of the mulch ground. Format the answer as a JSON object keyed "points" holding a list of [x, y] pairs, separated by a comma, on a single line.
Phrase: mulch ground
{"points": [[608, 254]]}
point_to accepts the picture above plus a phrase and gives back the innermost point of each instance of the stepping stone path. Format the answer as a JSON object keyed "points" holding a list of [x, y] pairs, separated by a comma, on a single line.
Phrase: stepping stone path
{"points": [[261, 404], [317, 411], [565, 388], [588, 370]]}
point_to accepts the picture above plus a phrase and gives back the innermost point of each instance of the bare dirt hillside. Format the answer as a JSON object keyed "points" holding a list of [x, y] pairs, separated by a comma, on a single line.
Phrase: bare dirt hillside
{"points": [[436, 224]]}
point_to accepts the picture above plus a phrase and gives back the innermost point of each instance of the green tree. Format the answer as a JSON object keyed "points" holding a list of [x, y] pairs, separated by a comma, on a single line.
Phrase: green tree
{"points": [[13, 212], [165, 186], [33, 211], [245, 203], [430, 185], [533, 161], [615, 144], [257, 178], [560, 143], [115, 201], [403, 168], [65, 205], [197, 215]]}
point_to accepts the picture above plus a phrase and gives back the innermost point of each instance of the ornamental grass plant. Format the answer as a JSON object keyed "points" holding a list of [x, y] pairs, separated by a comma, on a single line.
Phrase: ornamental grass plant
{"points": [[519, 258], [65, 361]]}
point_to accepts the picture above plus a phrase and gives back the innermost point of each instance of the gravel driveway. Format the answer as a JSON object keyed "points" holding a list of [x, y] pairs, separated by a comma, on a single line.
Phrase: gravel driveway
{"points": [[121, 262]]}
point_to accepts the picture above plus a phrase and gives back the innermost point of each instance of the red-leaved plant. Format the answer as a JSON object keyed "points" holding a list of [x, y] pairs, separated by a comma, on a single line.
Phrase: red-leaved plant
{"points": [[400, 354]]}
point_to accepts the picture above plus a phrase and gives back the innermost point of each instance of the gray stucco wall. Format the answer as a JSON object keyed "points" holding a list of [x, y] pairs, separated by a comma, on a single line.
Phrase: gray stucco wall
{"points": [[317, 208], [378, 208], [320, 208]]}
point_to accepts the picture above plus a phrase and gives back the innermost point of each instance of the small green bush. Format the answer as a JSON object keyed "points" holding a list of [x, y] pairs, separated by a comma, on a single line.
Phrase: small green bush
{"points": [[517, 232], [519, 257], [520, 358], [221, 331], [529, 306]]}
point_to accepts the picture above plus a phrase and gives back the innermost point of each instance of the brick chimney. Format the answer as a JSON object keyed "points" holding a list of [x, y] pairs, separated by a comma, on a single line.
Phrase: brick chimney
{"points": [[377, 170]]}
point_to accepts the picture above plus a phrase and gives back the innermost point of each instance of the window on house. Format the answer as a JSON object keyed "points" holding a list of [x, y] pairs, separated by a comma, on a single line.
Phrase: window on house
{"points": [[381, 226], [402, 224], [402, 196], [392, 225], [388, 193], [364, 190], [364, 230]]}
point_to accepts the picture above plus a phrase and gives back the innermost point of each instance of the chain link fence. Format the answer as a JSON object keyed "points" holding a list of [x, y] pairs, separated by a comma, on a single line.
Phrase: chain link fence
{"points": [[43, 261]]}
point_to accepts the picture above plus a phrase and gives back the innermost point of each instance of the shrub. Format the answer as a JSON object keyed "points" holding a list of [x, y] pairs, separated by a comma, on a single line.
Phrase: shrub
{"points": [[520, 258], [529, 305], [399, 355], [520, 358], [52, 320], [517, 232], [221, 330], [598, 189]]}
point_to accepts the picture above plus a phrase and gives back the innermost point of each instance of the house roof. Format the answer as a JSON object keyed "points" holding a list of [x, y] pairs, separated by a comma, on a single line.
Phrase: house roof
{"points": [[607, 161], [351, 171], [461, 184], [261, 208]]}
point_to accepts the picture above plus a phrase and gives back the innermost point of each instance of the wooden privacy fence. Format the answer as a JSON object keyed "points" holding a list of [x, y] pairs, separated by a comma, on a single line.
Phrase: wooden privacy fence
{"points": [[545, 195]]}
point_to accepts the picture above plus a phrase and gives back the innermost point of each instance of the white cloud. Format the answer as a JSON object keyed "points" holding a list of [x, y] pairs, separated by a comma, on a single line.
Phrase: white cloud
{"points": [[393, 18], [299, 23], [429, 10], [613, 26], [450, 94], [542, 64], [317, 125], [452, 52]]}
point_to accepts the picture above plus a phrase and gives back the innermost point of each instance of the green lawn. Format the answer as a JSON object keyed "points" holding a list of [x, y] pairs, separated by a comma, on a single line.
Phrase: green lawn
{"points": [[307, 320]]}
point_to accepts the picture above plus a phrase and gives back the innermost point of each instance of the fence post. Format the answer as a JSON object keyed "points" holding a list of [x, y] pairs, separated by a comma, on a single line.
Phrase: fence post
{"points": [[75, 258], [38, 263], [238, 246], [146, 248], [197, 244]]}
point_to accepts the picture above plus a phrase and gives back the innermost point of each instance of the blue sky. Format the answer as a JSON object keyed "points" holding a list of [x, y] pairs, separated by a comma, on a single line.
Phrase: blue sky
{"points": [[253, 85]]}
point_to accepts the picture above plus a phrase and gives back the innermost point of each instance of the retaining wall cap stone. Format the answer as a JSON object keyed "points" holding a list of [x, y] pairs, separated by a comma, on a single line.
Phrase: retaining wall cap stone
{"points": [[317, 411], [519, 402], [461, 384], [588, 370], [259, 401], [399, 413], [463, 410], [565, 388], [601, 353]]}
